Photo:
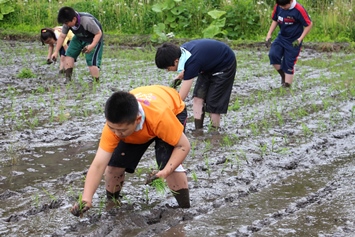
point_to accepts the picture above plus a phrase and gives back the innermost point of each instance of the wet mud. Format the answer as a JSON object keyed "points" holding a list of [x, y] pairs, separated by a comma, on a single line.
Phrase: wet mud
{"points": [[283, 163]]}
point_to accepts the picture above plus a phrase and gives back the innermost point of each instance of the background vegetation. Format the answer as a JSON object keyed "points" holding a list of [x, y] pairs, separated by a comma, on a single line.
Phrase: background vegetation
{"points": [[161, 19]]}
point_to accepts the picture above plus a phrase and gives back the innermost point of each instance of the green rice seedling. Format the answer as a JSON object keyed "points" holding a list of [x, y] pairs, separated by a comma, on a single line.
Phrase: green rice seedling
{"points": [[51, 196], [322, 126], [306, 131], [273, 142], [236, 105], [160, 186], [146, 194], [208, 146], [279, 117], [26, 73], [207, 163], [194, 176], [227, 141], [254, 128], [102, 204], [35, 199], [263, 149], [193, 148]]}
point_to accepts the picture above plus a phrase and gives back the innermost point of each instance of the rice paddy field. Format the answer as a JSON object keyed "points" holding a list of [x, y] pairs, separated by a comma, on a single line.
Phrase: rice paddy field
{"points": [[283, 163]]}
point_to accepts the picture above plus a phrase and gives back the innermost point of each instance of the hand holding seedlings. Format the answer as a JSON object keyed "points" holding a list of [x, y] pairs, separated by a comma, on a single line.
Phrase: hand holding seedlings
{"points": [[79, 208], [49, 61], [151, 177], [84, 50], [295, 43], [268, 42], [175, 83]]}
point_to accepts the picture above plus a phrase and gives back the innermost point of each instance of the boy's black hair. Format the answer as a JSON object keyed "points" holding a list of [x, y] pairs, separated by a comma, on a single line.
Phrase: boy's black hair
{"points": [[282, 2], [47, 33], [166, 55], [66, 14], [121, 107]]}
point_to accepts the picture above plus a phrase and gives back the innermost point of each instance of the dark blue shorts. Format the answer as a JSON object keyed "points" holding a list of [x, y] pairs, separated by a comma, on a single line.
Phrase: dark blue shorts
{"points": [[216, 88], [128, 155], [284, 54]]}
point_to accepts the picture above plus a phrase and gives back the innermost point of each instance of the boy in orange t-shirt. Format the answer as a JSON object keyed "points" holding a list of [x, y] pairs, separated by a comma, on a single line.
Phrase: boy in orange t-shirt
{"points": [[133, 121]]}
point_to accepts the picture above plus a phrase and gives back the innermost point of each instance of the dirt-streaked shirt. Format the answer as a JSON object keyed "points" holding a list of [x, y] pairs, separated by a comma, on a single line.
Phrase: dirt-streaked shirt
{"points": [[161, 104]]}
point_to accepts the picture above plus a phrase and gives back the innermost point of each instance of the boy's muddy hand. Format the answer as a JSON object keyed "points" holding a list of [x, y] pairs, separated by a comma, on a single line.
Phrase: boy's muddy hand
{"points": [[295, 43], [175, 83], [49, 61], [79, 209], [268, 42], [151, 177], [84, 50]]}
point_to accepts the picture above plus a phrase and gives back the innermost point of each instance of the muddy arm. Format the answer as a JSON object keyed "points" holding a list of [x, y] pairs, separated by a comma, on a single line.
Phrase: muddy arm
{"points": [[94, 175], [177, 157]]}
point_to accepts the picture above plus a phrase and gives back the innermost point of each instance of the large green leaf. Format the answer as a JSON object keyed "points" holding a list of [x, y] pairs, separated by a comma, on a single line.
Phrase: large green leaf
{"points": [[177, 10], [6, 9], [156, 7], [211, 31], [219, 22], [216, 14]]}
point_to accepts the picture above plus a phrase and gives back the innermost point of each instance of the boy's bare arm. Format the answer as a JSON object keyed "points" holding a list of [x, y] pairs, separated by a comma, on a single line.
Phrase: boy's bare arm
{"points": [[95, 41], [306, 30], [94, 175], [271, 30], [177, 157], [60, 41], [185, 88]]}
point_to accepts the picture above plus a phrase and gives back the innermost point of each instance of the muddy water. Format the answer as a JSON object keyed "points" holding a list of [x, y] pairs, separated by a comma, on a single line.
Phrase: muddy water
{"points": [[256, 177]]}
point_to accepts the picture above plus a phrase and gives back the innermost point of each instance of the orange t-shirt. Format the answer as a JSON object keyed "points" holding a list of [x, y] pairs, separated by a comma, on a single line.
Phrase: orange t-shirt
{"points": [[161, 104]]}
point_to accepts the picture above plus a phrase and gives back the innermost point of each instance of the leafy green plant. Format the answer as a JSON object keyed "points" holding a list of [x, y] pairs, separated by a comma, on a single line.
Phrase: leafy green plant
{"points": [[5, 8], [159, 185], [216, 26], [175, 17], [26, 73]]}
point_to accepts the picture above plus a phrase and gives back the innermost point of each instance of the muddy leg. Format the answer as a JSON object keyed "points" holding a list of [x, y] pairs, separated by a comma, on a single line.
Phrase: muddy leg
{"points": [[68, 75], [114, 178], [199, 112], [288, 80], [177, 182], [282, 74]]}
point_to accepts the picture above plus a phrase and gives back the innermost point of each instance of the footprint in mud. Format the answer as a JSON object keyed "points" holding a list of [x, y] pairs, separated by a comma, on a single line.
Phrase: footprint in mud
{"points": [[35, 210]]}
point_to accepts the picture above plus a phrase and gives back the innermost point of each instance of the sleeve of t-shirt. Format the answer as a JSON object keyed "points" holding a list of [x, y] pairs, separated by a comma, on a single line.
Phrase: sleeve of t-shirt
{"points": [[109, 140], [65, 29], [90, 25], [169, 128], [304, 17], [274, 13]]}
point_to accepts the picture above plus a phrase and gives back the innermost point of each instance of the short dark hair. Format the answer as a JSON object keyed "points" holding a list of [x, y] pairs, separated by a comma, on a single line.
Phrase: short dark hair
{"points": [[66, 14], [47, 33], [166, 55], [121, 107], [282, 2]]}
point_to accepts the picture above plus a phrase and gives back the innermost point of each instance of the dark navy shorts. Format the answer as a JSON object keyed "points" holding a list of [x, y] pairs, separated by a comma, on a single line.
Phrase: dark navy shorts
{"points": [[128, 155], [216, 88], [284, 54]]}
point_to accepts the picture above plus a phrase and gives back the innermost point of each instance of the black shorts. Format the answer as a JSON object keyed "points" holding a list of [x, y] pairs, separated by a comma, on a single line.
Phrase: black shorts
{"points": [[127, 155], [216, 88]]}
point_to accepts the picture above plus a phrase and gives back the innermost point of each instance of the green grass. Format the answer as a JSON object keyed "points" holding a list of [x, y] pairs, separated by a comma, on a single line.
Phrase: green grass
{"points": [[245, 20]]}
